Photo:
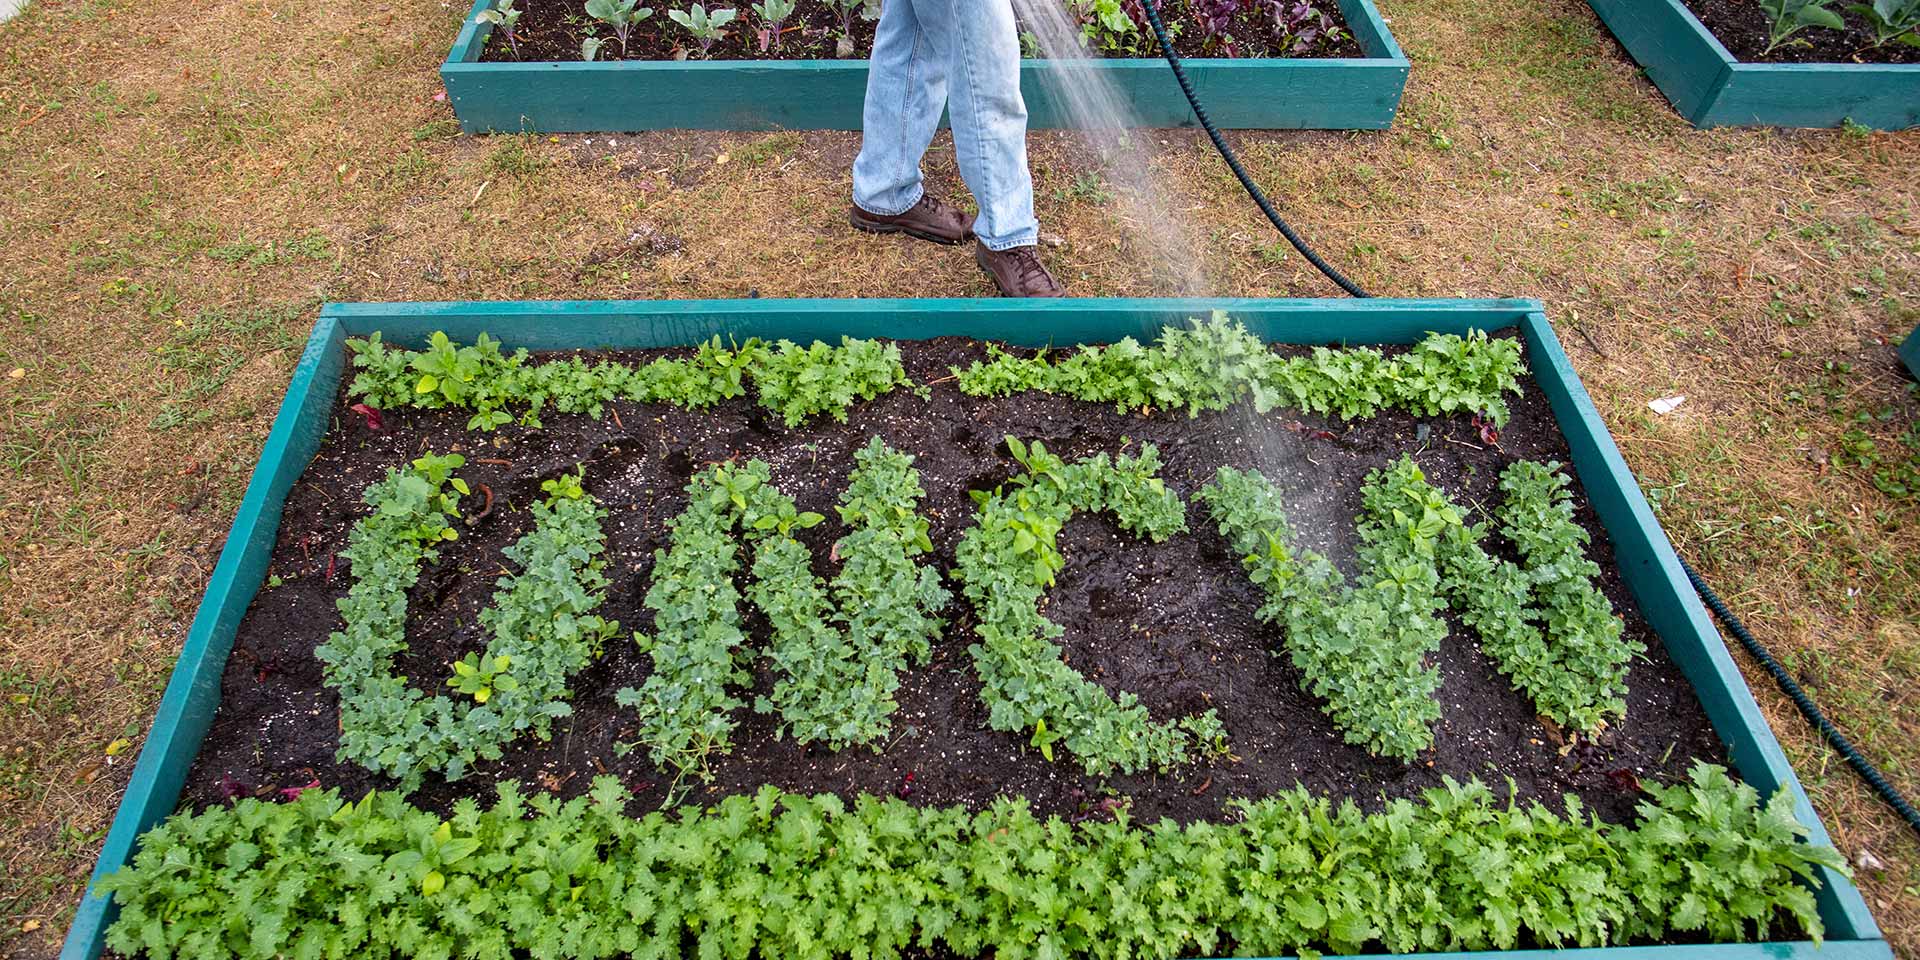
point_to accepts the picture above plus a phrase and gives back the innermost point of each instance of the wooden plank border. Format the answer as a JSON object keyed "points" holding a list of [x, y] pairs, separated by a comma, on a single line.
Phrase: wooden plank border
{"points": [[1710, 88], [1361, 93], [1642, 551]]}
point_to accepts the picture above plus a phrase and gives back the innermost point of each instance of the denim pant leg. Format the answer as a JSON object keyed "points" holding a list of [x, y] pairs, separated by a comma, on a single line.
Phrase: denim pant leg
{"points": [[906, 91], [981, 46]]}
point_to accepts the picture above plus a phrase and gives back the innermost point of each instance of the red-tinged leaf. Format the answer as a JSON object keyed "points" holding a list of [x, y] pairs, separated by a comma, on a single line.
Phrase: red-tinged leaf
{"points": [[766, 37], [1624, 780], [231, 789], [1489, 434], [293, 793], [905, 789], [1323, 435], [371, 413], [330, 562]]}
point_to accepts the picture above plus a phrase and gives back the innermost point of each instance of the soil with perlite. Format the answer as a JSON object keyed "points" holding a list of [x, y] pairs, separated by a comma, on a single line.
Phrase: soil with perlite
{"points": [[1743, 28], [1172, 623]]}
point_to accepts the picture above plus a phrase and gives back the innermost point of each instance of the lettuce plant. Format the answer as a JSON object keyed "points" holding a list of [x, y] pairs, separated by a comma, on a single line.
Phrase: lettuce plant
{"points": [[772, 874], [706, 26], [621, 15], [793, 381], [1215, 363], [1302, 25]]}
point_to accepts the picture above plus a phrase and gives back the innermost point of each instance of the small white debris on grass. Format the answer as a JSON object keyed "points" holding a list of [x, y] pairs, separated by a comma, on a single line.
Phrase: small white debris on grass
{"points": [[1666, 405]]}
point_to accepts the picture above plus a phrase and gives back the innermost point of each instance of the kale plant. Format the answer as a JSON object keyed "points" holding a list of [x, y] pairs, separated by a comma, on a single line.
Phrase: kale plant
{"points": [[839, 656], [773, 16], [507, 19], [1891, 21], [1008, 560], [705, 26], [621, 15], [1580, 677], [541, 621], [1788, 17], [1361, 649], [838, 650]]}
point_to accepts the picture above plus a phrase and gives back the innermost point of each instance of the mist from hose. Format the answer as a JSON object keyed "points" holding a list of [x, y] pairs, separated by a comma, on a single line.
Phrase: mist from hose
{"points": [[1097, 114]]}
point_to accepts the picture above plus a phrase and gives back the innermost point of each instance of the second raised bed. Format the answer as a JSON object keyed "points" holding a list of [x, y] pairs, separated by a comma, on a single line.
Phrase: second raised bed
{"points": [[1359, 93]]}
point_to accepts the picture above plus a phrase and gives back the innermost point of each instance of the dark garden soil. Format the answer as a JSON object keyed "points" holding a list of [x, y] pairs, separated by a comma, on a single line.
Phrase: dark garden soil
{"points": [[552, 30], [1742, 28], [1172, 623]]}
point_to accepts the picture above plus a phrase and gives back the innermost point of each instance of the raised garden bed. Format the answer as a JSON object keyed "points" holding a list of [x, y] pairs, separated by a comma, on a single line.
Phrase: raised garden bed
{"points": [[1712, 87], [1167, 614], [489, 96], [1910, 351]]}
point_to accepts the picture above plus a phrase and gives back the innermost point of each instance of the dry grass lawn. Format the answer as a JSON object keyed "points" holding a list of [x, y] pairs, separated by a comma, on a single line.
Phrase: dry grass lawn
{"points": [[182, 191]]}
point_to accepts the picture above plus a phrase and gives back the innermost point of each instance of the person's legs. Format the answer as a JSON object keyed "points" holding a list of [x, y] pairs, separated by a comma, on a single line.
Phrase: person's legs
{"points": [[906, 90], [979, 43]]}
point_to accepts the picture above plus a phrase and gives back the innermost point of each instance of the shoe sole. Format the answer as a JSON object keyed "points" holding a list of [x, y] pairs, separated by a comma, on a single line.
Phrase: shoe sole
{"points": [[872, 226]]}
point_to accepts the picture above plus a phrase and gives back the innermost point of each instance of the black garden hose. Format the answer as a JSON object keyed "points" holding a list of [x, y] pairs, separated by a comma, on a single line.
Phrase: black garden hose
{"points": [[1861, 765], [1233, 161]]}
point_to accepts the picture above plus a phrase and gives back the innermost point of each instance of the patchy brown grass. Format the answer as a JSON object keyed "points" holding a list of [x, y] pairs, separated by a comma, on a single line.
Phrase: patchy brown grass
{"points": [[188, 180]]}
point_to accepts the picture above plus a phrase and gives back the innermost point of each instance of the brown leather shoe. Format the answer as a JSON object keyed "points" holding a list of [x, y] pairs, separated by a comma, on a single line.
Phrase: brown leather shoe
{"points": [[930, 219], [1018, 272]]}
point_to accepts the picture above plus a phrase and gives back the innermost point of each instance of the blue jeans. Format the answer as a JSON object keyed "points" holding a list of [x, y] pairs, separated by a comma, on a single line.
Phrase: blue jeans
{"points": [[962, 55]]}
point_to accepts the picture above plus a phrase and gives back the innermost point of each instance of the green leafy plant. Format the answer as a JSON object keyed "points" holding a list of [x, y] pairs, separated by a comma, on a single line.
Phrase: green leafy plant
{"points": [[504, 17], [839, 655], [801, 382], [1214, 363], [1891, 21], [706, 27], [1361, 649], [838, 650], [686, 704], [784, 875], [621, 15], [1007, 561], [845, 11], [1576, 671], [1788, 17], [478, 678], [773, 16], [541, 622], [796, 382]]}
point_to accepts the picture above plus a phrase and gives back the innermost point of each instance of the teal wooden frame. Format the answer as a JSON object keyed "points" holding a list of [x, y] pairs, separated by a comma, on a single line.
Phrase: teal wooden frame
{"points": [[1360, 93], [1646, 559], [1712, 89], [1910, 352]]}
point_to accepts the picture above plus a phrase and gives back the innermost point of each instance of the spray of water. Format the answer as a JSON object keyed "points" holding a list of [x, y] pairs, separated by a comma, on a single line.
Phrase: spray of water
{"points": [[1107, 125], [1105, 122]]}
